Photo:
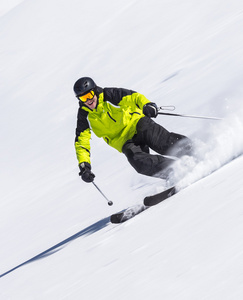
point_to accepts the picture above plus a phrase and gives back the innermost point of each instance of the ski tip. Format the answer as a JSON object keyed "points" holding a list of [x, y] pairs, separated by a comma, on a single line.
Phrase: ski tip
{"points": [[157, 198], [116, 218]]}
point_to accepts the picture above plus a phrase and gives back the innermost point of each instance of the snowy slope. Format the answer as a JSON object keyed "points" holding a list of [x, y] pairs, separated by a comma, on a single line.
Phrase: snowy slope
{"points": [[187, 54]]}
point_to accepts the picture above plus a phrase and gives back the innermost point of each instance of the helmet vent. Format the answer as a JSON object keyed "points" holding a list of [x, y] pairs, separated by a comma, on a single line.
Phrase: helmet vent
{"points": [[83, 85]]}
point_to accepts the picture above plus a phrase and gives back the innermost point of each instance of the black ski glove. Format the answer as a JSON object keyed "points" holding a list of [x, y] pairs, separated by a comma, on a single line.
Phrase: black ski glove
{"points": [[150, 110], [85, 172]]}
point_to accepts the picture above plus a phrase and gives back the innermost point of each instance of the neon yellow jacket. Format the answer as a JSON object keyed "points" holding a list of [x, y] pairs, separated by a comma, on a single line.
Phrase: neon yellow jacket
{"points": [[114, 119]]}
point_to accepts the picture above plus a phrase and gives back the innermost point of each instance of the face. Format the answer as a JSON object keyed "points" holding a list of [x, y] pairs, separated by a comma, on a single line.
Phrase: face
{"points": [[91, 103]]}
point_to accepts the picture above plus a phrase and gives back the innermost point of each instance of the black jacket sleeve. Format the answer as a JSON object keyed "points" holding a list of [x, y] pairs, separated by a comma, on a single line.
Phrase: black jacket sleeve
{"points": [[115, 95]]}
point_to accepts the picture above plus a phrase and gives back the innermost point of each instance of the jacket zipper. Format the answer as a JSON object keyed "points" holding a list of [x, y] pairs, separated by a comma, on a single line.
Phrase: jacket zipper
{"points": [[111, 117]]}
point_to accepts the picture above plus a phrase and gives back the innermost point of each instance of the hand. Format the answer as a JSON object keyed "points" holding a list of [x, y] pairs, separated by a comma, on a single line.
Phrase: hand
{"points": [[85, 172], [150, 110]]}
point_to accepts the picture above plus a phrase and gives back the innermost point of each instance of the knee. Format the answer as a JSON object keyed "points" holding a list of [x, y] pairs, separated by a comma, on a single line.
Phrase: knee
{"points": [[179, 145], [175, 137], [135, 156], [127, 149]]}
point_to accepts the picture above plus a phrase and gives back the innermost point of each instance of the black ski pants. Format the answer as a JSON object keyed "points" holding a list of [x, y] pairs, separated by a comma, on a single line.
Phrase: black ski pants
{"points": [[154, 136]]}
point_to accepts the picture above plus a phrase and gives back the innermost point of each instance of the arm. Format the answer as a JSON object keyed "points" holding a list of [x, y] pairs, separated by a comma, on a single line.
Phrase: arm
{"points": [[82, 140], [119, 96], [82, 146]]}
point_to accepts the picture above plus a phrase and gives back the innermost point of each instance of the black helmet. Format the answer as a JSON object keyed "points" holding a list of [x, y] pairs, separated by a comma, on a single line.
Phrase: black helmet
{"points": [[83, 86]]}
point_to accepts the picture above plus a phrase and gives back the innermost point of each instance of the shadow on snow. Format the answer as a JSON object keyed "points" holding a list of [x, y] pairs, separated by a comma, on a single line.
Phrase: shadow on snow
{"points": [[87, 231]]}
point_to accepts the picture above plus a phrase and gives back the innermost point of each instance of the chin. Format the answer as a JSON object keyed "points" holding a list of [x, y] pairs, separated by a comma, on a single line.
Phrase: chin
{"points": [[93, 105]]}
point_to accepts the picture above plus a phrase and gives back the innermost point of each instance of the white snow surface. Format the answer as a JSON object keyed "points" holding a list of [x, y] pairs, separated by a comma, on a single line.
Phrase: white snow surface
{"points": [[183, 53]]}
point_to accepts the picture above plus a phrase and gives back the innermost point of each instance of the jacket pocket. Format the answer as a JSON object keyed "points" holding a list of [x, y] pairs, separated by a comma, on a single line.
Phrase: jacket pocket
{"points": [[135, 112]]}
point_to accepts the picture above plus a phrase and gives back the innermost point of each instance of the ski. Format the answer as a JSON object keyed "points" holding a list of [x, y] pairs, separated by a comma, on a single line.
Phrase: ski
{"points": [[127, 214], [157, 198], [131, 212]]}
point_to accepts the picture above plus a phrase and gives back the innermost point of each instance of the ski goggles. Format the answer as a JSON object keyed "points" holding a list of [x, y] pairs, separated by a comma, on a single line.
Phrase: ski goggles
{"points": [[86, 97]]}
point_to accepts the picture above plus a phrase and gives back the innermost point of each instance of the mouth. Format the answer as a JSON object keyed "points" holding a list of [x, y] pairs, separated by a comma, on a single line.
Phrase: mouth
{"points": [[90, 102]]}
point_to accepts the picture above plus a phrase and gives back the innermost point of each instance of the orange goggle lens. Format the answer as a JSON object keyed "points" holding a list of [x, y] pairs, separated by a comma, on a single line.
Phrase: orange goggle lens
{"points": [[86, 97]]}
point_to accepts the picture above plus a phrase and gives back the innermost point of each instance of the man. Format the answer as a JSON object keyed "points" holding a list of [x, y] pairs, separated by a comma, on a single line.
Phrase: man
{"points": [[122, 118]]}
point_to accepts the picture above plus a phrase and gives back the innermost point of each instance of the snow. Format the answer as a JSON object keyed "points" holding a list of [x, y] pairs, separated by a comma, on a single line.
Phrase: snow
{"points": [[187, 54]]}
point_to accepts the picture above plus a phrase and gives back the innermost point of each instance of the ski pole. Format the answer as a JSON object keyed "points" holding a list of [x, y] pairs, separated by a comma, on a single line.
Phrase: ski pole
{"points": [[109, 202], [189, 116]]}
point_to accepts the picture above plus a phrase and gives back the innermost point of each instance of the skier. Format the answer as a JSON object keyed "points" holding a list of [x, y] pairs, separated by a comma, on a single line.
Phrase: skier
{"points": [[122, 118]]}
